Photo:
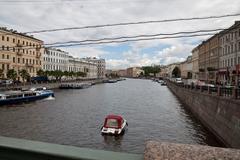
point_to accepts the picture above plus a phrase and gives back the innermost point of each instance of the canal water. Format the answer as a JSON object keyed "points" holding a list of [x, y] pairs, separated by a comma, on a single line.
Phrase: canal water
{"points": [[75, 117]]}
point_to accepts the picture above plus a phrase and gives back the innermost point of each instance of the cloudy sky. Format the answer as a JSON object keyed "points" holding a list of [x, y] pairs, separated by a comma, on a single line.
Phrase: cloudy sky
{"points": [[30, 15]]}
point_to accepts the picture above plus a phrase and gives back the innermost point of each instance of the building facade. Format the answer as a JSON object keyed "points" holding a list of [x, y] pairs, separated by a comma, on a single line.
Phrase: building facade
{"points": [[55, 59], [80, 65], [134, 72], [101, 66], [209, 59], [122, 72], [19, 51], [186, 68], [229, 54], [195, 67]]}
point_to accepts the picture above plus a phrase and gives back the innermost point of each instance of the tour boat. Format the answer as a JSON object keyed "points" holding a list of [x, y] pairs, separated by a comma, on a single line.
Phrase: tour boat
{"points": [[114, 124], [13, 97]]}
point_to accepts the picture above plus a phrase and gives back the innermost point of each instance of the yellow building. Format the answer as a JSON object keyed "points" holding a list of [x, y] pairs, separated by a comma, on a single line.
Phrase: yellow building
{"points": [[19, 51]]}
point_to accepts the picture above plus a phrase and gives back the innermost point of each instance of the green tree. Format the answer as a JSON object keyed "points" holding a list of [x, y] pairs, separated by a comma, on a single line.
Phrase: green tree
{"points": [[1, 73], [41, 73], [24, 74], [12, 74], [151, 69], [81, 74]]}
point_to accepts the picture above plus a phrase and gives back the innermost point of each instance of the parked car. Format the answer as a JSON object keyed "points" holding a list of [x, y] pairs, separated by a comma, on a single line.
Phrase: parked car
{"points": [[6, 81], [179, 80]]}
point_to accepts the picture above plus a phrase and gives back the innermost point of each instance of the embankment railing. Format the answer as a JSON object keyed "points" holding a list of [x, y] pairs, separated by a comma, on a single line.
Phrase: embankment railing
{"points": [[230, 92]]}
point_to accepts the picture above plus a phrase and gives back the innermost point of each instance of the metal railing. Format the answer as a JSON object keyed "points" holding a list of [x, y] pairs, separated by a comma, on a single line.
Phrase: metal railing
{"points": [[229, 92], [15, 149]]}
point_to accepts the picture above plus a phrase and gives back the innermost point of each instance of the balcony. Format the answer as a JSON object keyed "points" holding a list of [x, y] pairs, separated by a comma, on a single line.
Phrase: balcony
{"points": [[29, 65], [38, 54], [38, 48], [19, 53], [6, 60], [19, 45]]}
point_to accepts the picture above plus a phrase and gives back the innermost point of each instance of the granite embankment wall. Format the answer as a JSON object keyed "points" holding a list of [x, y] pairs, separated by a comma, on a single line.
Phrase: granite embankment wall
{"points": [[220, 115]]}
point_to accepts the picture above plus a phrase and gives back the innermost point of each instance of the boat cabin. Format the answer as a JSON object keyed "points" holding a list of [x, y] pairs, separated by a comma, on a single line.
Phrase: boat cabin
{"points": [[113, 121]]}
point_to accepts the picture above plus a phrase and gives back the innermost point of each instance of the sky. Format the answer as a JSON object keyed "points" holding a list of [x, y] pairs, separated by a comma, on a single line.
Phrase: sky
{"points": [[30, 15]]}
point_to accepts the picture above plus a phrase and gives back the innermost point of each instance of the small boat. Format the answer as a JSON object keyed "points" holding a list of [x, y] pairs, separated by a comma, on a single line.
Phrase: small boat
{"points": [[114, 125], [74, 85], [14, 97]]}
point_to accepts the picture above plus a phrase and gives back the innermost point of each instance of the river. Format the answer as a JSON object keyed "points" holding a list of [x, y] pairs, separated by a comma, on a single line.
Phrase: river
{"points": [[75, 117]]}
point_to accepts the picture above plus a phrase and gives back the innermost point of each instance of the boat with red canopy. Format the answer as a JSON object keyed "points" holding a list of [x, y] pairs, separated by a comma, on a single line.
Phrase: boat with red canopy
{"points": [[114, 124]]}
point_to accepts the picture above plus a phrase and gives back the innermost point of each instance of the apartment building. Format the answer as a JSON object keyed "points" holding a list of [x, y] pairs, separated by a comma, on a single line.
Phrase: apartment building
{"points": [[19, 51], [195, 66], [229, 54], [81, 65], [134, 72], [101, 65], [55, 59], [209, 59]]}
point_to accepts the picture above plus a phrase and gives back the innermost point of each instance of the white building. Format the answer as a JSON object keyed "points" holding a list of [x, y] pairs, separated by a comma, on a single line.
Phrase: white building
{"points": [[81, 65], [101, 66], [55, 59]]}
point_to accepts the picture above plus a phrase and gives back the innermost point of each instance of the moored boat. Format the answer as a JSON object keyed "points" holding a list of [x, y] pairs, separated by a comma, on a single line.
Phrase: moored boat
{"points": [[74, 85], [114, 125], [14, 97]]}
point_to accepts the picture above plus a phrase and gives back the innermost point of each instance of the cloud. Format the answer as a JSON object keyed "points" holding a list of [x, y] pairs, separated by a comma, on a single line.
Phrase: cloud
{"points": [[30, 16]]}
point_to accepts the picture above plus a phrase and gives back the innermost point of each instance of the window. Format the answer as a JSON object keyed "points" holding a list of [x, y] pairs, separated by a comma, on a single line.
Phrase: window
{"points": [[18, 41], [2, 38], [13, 49], [18, 60], [7, 38], [3, 47], [3, 66], [3, 56], [13, 40], [7, 48], [7, 56], [13, 59]]}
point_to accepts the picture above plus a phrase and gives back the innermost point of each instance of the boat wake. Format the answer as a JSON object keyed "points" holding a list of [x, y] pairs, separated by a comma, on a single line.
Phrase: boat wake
{"points": [[49, 98]]}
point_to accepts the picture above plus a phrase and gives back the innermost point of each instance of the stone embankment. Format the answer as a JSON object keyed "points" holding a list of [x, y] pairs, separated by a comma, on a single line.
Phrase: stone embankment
{"points": [[171, 151], [48, 85], [220, 114]]}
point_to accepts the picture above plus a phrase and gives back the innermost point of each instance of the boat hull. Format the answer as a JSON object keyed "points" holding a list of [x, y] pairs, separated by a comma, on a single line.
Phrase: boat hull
{"points": [[114, 131], [26, 99]]}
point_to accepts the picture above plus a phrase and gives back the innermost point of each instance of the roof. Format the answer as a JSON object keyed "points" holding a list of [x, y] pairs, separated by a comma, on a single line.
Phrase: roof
{"points": [[112, 116]]}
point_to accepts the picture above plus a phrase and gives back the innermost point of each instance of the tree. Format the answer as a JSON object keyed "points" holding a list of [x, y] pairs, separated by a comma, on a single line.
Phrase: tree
{"points": [[41, 73], [1, 73], [24, 74], [151, 69], [81, 74], [12, 74]]}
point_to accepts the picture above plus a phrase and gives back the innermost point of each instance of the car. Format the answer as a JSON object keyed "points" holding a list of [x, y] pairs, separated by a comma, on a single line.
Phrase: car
{"points": [[6, 82], [179, 80], [114, 125]]}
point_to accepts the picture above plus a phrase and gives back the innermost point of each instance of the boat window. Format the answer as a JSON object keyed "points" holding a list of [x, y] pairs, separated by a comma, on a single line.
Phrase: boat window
{"points": [[112, 123]]}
